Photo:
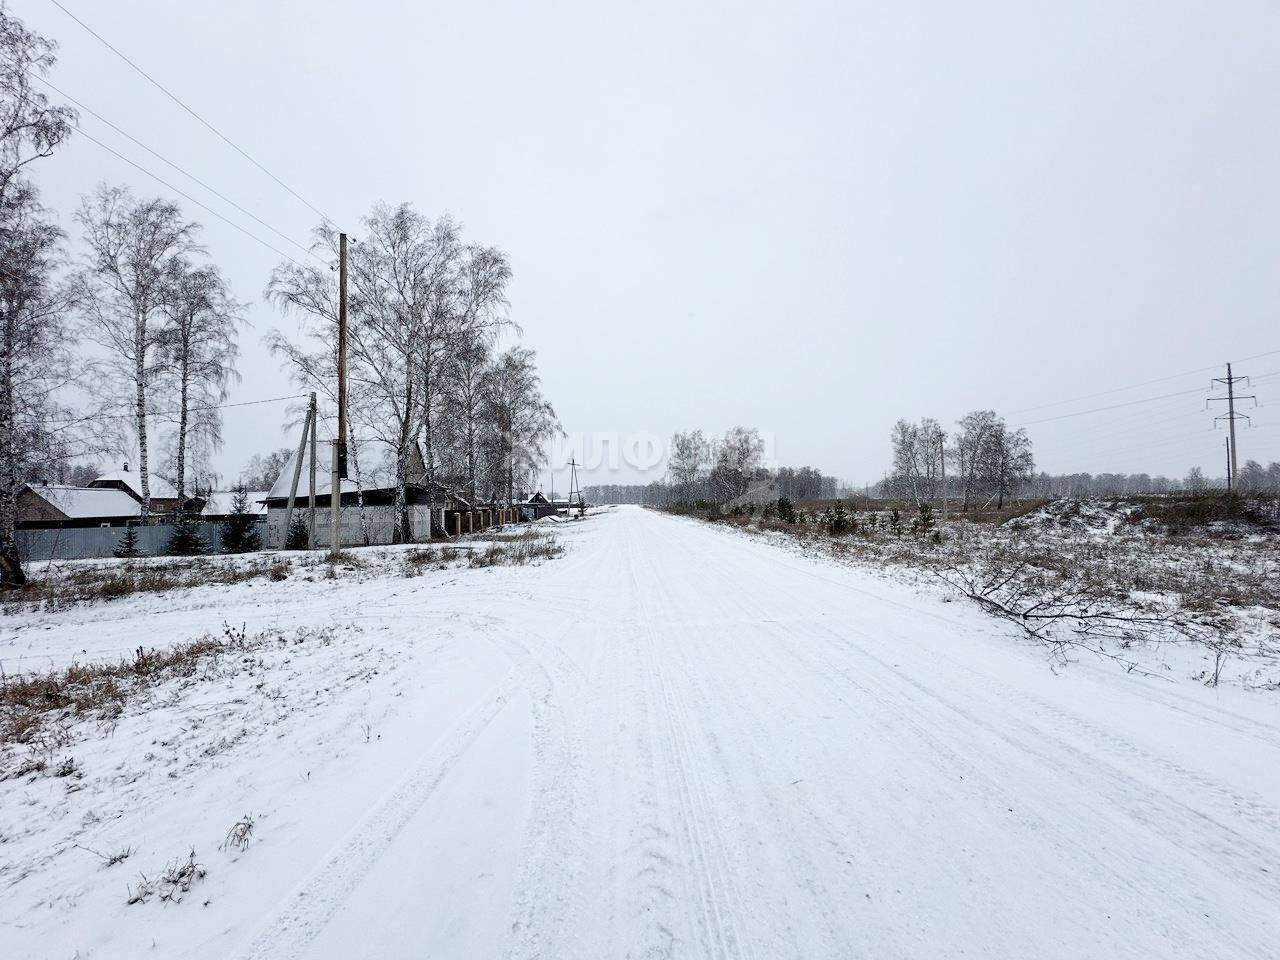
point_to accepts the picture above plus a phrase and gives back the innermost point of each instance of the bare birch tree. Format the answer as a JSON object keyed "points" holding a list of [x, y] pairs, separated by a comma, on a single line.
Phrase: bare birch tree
{"points": [[918, 451], [465, 409], [39, 431], [468, 306], [737, 458], [521, 421], [690, 455], [968, 452], [30, 126], [1005, 461], [121, 291], [197, 356]]}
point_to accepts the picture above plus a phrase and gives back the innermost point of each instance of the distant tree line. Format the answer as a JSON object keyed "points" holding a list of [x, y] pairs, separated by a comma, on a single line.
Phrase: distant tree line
{"points": [[985, 462], [1254, 478], [718, 470]]}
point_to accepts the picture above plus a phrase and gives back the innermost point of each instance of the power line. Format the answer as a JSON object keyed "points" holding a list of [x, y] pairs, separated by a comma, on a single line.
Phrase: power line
{"points": [[184, 194], [163, 89], [190, 409], [186, 173], [1144, 383], [1114, 406], [1129, 429], [1139, 427]]}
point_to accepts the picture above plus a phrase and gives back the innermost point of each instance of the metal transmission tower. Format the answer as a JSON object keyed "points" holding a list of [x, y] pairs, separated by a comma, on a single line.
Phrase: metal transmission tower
{"points": [[574, 489], [1229, 381]]}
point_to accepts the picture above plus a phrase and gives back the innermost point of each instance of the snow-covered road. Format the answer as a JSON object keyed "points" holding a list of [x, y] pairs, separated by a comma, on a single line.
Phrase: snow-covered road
{"points": [[679, 741]]}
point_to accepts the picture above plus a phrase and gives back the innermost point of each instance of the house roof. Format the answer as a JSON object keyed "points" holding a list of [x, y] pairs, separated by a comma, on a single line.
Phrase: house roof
{"points": [[324, 482], [87, 503], [160, 489], [222, 502]]}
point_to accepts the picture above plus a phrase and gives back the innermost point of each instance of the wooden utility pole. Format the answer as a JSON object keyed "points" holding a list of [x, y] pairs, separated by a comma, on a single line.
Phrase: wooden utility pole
{"points": [[297, 475], [311, 493], [339, 468], [1233, 463]]}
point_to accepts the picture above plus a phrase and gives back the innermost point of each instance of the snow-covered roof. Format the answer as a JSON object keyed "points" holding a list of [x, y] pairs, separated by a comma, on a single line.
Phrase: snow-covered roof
{"points": [[223, 501], [160, 489], [324, 482], [86, 503]]}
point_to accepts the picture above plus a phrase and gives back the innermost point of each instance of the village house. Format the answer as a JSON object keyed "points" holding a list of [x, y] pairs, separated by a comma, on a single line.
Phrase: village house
{"points": [[111, 500], [368, 515], [47, 506], [164, 498]]}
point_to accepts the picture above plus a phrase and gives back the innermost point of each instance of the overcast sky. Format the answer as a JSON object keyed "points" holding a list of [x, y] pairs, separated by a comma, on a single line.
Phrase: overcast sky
{"points": [[812, 218]]}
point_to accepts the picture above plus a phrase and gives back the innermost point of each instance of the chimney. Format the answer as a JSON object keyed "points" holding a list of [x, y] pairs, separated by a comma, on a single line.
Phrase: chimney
{"points": [[126, 467]]}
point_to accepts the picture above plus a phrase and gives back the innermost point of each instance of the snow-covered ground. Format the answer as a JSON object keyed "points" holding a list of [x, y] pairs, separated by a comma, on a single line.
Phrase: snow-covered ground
{"points": [[675, 740]]}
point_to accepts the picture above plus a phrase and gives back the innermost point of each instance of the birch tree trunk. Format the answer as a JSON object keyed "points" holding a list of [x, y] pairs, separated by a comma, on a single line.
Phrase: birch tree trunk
{"points": [[140, 408], [185, 374], [11, 574], [354, 456]]}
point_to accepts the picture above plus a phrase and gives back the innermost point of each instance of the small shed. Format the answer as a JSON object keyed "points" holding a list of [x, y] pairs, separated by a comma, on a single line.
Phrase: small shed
{"points": [[536, 507]]}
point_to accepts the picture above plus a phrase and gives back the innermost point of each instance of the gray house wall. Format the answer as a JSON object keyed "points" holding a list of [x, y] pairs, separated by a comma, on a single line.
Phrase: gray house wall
{"points": [[380, 519]]}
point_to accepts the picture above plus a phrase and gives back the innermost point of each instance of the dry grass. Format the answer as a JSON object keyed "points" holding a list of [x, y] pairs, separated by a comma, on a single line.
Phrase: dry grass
{"points": [[517, 551], [62, 588], [515, 548], [35, 707]]}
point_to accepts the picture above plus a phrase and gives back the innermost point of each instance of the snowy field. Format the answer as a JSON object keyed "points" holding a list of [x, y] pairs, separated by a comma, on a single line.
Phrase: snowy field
{"points": [[675, 740]]}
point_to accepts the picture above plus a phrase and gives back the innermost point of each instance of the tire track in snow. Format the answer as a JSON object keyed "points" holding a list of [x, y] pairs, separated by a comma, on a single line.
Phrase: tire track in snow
{"points": [[723, 917], [1249, 807], [1155, 809], [550, 876], [309, 907], [737, 604], [1216, 845], [1257, 729]]}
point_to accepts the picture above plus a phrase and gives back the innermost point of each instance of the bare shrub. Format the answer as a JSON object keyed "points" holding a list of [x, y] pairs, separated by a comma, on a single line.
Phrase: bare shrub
{"points": [[239, 835], [173, 883], [346, 558], [109, 859], [1067, 606]]}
